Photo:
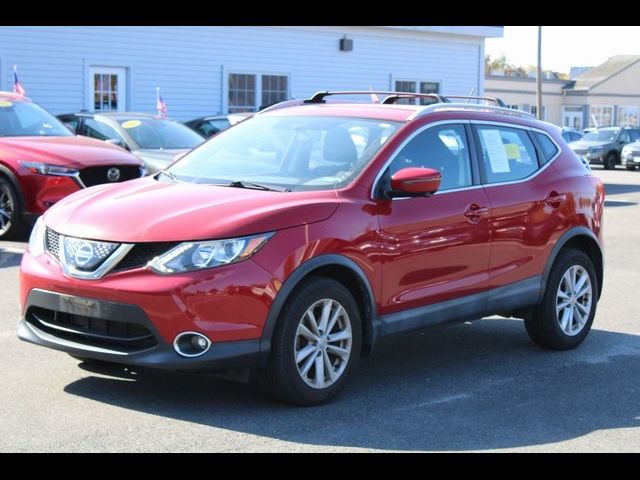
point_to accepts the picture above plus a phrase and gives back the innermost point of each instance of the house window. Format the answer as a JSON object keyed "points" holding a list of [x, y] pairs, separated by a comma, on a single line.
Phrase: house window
{"points": [[572, 117], [533, 109], [107, 89], [628, 115], [513, 107], [600, 115], [415, 86], [248, 92]]}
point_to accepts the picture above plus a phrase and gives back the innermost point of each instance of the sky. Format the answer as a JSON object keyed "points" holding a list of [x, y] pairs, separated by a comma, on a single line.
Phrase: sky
{"points": [[564, 47]]}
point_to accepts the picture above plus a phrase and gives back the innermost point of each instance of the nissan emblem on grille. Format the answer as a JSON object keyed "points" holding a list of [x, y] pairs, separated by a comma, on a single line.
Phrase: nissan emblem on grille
{"points": [[86, 255], [83, 254], [113, 174]]}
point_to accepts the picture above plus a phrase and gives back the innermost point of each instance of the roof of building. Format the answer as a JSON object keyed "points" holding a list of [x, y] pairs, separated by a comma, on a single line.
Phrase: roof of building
{"points": [[604, 71]]}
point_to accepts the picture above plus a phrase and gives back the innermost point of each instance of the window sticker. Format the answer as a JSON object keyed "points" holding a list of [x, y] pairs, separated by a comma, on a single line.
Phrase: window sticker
{"points": [[5, 104], [498, 159], [131, 124], [513, 151]]}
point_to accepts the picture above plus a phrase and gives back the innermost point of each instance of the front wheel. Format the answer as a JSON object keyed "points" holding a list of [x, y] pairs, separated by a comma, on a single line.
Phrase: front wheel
{"points": [[316, 344], [610, 162], [564, 317], [10, 222], [631, 167]]}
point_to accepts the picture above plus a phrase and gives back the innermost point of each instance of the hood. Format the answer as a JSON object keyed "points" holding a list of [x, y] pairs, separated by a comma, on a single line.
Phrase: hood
{"points": [[585, 144], [146, 210], [74, 152]]}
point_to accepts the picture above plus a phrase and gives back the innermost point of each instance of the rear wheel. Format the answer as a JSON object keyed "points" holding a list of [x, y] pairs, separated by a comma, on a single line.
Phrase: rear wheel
{"points": [[631, 167], [610, 161], [10, 222], [564, 317], [315, 347]]}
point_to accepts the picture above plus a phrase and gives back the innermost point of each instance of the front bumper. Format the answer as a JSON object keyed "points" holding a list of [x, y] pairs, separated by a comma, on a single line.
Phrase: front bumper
{"points": [[72, 339], [229, 305]]}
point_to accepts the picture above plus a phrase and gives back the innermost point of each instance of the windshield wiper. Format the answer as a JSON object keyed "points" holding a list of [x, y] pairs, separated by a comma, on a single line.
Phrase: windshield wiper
{"points": [[257, 186], [169, 174]]}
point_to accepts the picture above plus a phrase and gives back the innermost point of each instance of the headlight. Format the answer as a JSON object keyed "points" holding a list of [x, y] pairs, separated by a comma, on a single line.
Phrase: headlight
{"points": [[46, 169], [190, 256], [36, 239]]}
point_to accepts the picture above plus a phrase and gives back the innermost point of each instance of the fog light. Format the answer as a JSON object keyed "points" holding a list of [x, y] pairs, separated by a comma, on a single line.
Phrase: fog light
{"points": [[191, 344]]}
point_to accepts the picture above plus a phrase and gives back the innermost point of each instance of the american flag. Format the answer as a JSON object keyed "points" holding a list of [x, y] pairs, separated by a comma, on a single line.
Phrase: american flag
{"points": [[160, 105], [17, 86]]}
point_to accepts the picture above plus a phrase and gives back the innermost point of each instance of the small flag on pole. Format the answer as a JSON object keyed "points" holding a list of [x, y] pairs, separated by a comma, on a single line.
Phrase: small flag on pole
{"points": [[374, 97], [160, 105], [17, 86]]}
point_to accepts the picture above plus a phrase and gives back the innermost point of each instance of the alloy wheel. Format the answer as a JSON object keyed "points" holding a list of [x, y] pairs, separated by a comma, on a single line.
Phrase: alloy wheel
{"points": [[322, 344], [573, 300], [6, 209]]}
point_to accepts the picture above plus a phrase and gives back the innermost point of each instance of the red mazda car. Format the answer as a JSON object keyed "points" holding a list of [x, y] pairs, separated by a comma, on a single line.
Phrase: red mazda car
{"points": [[41, 161], [289, 243]]}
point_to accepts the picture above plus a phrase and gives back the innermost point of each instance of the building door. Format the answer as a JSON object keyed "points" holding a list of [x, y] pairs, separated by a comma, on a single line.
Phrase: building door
{"points": [[572, 117], [108, 91]]}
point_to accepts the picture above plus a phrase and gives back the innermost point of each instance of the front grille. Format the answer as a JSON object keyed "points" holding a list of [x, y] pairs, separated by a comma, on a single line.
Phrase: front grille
{"points": [[97, 175], [143, 253], [114, 335], [53, 243]]}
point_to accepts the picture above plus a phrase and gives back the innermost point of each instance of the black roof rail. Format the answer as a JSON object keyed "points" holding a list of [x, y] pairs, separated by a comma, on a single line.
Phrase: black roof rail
{"points": [[319, 97]]}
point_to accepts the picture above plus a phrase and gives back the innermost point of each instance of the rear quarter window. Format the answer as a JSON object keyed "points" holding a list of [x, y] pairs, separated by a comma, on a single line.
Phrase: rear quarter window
{"points": [[549, 149]]}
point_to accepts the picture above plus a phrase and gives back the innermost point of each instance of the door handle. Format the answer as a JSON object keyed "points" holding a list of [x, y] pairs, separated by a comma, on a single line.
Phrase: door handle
{"points": [[555, 199], [474, 211]]}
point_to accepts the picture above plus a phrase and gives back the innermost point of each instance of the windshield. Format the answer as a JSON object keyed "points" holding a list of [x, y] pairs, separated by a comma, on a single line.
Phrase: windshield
{"points": [[294, 153], [160, 133], [26, 119], [601, 135]]}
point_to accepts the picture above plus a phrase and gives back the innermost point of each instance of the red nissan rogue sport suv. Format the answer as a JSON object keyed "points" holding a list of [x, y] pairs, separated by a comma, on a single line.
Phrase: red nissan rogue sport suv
{"points": [[41, 161], [290, 242]]}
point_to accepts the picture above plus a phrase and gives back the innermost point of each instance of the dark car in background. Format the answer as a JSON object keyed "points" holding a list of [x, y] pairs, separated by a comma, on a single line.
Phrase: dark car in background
{"points": [[41, 162], [209, 126], [604, 145], [153, 139]]}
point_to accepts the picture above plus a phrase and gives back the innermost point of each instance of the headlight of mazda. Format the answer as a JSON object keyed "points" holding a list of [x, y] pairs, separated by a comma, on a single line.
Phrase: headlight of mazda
{"points": [[46, 169], [189, 256], [36, 240]]}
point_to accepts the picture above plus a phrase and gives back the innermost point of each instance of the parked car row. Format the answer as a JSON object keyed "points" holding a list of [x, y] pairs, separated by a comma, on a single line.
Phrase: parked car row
{"points": [[608, 146]]}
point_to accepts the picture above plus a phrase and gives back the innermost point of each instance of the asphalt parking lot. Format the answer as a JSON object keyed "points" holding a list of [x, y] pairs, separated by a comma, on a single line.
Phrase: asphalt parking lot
{"points": [[479, 386]]}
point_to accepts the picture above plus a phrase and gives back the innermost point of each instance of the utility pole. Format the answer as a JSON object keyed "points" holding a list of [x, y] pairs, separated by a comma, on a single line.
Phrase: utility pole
{"points": [[539, 74]]}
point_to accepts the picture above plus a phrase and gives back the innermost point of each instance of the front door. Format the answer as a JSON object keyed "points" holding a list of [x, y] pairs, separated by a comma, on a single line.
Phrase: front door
{"points": [[435, 248], [572, 117]]}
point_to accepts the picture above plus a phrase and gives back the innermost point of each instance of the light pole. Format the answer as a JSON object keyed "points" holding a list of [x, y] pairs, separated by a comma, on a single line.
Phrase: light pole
{"points": [[539, 74]]}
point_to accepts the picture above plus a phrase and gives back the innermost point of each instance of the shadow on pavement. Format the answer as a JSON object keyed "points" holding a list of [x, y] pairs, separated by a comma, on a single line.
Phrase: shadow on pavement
{"points": [[9, 259], [620, 188], [466, 387], [618, 203]]}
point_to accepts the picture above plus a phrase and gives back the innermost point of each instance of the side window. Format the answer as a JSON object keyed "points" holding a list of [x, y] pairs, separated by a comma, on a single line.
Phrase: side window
{"points": [[443, 148], [624, 137], [507, 153], [549, 149], [101, 131], [635, 135]]}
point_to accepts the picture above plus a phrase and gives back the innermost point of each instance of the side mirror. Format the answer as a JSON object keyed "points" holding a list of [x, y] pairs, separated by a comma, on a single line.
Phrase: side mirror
{"points": [[415, 182], [117, 141]]}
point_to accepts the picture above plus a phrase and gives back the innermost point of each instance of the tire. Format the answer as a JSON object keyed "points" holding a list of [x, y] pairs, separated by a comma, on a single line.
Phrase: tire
{"points": [[610, 161], [547, 325], [11, 224], [631, 167], [285, 379]]}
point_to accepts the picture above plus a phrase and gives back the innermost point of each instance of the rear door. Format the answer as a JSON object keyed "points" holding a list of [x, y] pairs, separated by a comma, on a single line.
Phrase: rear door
{"points": [[529, 201]]}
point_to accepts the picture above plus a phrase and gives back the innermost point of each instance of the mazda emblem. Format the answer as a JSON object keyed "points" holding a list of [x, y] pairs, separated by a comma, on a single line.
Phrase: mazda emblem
{"points": [[113, 174], [84, 254]]}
